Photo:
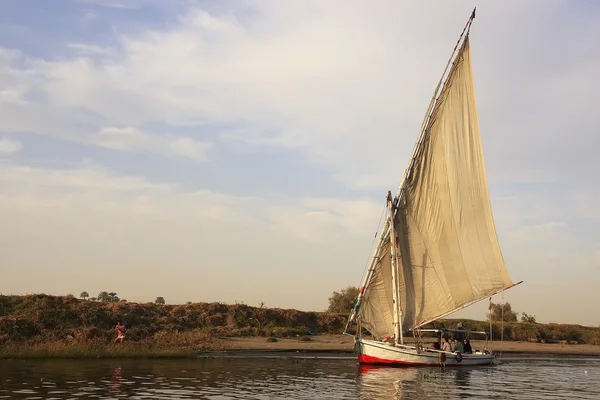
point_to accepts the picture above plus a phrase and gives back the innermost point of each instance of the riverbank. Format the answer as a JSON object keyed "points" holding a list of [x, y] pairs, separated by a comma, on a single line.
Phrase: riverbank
{"points": [[42, 326], [334, 344], [344, 343]]}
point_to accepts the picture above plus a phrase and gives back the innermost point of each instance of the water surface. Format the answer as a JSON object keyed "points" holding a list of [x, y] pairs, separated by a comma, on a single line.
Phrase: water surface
{"points": [[296, 378]]}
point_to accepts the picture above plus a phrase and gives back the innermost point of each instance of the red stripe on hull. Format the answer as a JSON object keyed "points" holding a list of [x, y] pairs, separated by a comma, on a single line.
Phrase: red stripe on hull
{"points": [[365, 359]]}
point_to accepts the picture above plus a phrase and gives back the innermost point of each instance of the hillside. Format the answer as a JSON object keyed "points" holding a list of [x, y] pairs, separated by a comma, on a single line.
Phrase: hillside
{"points": [[51, 325], [43, 317]]}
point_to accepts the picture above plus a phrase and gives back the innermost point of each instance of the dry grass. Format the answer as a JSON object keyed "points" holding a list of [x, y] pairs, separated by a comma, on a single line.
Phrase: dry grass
{"points": [[39, 325], [162, 345]]}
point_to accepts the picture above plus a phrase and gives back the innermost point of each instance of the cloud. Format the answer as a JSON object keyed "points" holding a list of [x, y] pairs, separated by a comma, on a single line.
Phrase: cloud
{"points": [[87, 221], [346, 85], [9, 146], [124, 4], [133, 139], [90, 49]]}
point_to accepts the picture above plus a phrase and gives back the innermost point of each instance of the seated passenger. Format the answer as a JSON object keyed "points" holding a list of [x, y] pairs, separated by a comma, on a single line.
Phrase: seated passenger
{"points": [[458, 347], [445, 345], [467, 346]]}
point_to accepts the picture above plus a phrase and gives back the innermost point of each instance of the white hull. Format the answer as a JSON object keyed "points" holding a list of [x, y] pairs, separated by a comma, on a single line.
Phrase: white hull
{"points": [[380, 353]]}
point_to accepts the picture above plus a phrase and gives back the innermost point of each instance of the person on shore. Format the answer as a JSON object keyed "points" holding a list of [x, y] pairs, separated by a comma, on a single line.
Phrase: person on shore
{"points": [[467, 347], [457, 346], [445, 345], [120, 332]]}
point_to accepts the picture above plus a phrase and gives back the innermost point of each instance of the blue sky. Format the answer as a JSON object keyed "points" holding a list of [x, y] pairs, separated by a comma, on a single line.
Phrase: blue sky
{"points": [[241, 151]]}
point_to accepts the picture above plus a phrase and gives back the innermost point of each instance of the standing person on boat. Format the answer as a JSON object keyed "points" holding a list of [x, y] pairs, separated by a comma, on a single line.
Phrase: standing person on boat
{"points": [[120, 332], [460, 333]]}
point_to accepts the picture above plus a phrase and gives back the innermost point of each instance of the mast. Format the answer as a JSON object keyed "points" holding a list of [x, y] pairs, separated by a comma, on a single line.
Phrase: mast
{"points": [[396, 308]]}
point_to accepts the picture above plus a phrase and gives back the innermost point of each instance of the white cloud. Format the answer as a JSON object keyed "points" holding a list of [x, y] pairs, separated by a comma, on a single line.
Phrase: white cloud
{"points": [[9, 146], [345, 82], [85, 179], [126, 4], [90, 49], [188, 147], [133, 139]]}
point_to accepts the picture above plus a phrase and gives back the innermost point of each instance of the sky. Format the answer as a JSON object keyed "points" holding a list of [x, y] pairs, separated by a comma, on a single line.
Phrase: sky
{"points": [[241, 151]]}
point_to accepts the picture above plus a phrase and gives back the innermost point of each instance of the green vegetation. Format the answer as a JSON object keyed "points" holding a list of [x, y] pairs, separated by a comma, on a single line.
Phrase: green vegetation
{"points": [[531, 332], [528, 318], [63, 326], [185, 344], [343, 301], [502, 312]]}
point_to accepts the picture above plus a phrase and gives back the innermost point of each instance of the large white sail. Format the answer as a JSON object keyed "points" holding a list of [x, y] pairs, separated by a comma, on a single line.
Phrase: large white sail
{"points": [[450, 255]]}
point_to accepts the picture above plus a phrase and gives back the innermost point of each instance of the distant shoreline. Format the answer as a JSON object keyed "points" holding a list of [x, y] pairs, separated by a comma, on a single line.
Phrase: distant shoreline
{"points": [[43, 326], [344, 344], [320, 346]]}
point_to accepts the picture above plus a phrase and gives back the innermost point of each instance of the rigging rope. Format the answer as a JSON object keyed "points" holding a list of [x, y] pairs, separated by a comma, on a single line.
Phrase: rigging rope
{"points": [[374, 239], [502, 325], [365, 271], [491, 328]]}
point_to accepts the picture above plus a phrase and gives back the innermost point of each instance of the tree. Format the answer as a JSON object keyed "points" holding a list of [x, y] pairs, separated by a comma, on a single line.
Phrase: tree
{"points": [[159, 300], [528, 318], [107, 297], [343, 301], [84, 295], [103, 297], [502, 312]]}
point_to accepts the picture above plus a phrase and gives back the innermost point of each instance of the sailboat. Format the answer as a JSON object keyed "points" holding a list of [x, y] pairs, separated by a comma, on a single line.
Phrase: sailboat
{"points": [[438, 252]]}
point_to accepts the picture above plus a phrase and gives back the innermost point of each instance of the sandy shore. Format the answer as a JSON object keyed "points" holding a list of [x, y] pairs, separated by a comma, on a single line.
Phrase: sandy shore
{"points": [[343, 343]]}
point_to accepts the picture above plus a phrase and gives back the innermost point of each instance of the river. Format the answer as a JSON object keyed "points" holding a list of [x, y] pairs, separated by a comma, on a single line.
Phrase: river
{"points": [[297, 377]]}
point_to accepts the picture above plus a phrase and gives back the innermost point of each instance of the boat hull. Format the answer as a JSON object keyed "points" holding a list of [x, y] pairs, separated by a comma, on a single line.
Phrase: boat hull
{"points": [[380, 353]]}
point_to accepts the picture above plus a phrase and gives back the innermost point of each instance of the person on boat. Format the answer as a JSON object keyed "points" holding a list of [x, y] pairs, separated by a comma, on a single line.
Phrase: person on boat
{"points": [[457, 347], [460, 333], [445, 345], [467, 346], [436, 345], [120, 332]]}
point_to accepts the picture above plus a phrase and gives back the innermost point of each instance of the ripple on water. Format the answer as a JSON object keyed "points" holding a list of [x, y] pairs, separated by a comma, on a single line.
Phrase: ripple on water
{"points": [[539, 378]]}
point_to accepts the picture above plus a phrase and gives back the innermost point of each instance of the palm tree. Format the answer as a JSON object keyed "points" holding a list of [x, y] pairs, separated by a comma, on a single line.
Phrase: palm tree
{"points": [[104, 297], [84, 295]]}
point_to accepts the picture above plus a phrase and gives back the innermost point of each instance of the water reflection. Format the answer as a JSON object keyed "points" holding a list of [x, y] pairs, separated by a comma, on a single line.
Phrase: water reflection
{"points": [[255, 378], [414, 383], [116, 382]]}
